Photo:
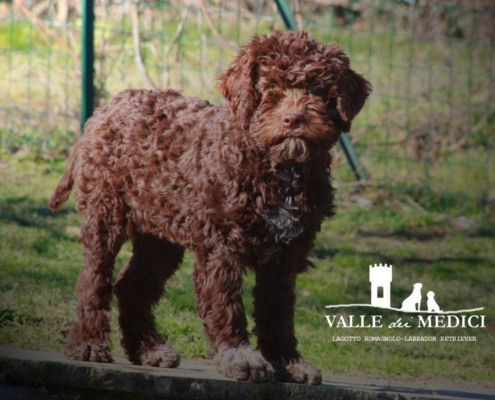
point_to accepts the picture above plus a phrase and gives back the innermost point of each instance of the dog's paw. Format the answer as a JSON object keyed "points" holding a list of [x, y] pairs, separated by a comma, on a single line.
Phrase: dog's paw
{"points": [[302, 371], [299, 370], [95, 352], [162, 356], [243, 363]]}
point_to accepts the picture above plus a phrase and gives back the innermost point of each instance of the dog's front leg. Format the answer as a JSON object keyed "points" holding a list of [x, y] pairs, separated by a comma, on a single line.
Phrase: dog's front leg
{"points": [[274, 304], [218, 287]]}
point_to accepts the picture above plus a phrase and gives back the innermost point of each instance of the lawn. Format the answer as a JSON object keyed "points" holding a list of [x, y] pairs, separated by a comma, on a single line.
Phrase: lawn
{"points": [[40, 260]]}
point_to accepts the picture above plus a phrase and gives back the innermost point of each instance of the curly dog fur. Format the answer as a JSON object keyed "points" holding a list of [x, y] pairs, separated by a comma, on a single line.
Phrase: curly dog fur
{"points": [[245, 185]]}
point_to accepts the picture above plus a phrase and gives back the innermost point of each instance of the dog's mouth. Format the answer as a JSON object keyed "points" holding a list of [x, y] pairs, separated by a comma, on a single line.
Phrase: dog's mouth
{"points": [[291, 149]]}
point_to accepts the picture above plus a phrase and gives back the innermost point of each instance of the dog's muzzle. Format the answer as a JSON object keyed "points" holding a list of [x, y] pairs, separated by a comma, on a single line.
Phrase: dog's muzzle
{"points": [[292, 120], [292, 149]]}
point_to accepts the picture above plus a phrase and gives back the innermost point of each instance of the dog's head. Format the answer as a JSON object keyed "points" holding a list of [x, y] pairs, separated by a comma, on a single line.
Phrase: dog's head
{"points": [[418, 286], [293, 93], [431, 294]]}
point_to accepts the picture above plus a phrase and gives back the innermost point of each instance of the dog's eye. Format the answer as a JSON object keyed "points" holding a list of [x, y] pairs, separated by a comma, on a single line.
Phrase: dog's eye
{"points": [[272, 86], [311, 88]]}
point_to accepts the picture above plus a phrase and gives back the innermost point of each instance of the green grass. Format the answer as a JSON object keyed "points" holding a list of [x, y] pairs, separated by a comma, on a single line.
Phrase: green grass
{"points": [[40, 260]]}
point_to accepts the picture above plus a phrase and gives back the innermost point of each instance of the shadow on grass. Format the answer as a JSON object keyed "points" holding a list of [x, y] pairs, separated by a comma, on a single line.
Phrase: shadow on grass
{"points": [[487, 231], [29, 213], [382, 257], [417, 234], [59, 279], [330, 253]]}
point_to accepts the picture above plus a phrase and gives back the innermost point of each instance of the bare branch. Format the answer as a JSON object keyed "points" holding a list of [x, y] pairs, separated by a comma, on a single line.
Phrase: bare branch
{"points": [[136, 35], [44, 30], [212, 25], [298, 16], [178, 33]]}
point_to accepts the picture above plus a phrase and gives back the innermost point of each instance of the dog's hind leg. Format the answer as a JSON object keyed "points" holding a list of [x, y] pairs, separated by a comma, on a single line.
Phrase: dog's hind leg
{"points": [[139, 287], [88, 338]]}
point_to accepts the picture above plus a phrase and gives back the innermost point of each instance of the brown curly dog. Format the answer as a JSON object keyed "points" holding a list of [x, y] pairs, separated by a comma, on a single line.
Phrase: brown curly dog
{"points": [[243, 186]]}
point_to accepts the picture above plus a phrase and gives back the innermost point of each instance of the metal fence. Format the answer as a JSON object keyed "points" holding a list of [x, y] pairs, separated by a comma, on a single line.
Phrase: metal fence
{"points": [[427, 131]]}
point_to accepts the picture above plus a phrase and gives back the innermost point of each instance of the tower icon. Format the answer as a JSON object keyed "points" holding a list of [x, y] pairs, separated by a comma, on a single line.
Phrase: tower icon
{"points": [[380, 278]]}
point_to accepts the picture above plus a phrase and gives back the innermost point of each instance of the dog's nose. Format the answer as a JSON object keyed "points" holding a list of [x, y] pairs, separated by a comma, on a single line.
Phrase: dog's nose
{"points": [[292, 120]]}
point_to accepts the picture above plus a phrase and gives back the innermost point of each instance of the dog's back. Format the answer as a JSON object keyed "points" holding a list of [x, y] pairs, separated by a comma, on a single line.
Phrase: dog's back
{"points": [[136, 130], [135, 163], [105, 134]]}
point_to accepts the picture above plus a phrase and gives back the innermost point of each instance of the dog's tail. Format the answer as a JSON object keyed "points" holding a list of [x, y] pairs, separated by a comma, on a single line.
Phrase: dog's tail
{"points": [[64, 187]]}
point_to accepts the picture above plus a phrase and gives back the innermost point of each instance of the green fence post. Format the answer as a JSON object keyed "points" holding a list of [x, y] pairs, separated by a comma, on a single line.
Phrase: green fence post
{"points": [[345, 141], [87, 58], [353, 158], [287, 15]]}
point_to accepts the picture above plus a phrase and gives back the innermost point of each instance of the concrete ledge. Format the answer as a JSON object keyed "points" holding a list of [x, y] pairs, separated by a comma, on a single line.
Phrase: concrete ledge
{"points": [[40, 375]]}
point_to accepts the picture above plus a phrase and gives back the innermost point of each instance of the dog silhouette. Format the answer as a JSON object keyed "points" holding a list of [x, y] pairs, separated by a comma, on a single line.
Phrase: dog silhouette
{"points": [[431, 303], [413, 300]]}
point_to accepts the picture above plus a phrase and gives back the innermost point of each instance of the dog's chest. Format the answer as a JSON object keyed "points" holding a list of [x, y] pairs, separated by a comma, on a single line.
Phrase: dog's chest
{"points": [[285, 219]]}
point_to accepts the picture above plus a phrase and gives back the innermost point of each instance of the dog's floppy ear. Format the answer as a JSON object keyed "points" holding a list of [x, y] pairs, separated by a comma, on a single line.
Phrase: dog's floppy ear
{"points": [[352, 92], [238, 86]]}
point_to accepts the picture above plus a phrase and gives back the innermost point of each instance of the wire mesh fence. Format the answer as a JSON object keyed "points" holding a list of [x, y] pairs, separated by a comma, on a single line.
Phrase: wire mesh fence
{"points": [[426, 132]]}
